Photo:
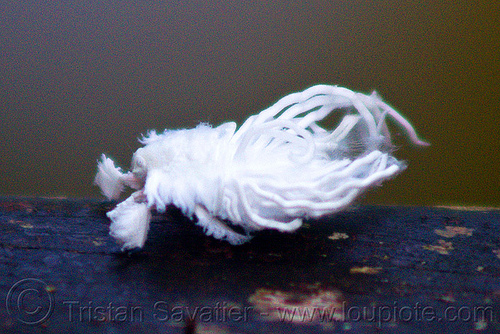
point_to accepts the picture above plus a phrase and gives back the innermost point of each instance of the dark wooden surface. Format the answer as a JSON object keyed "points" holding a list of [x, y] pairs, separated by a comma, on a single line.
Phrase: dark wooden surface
{"points": [[409, 269]]}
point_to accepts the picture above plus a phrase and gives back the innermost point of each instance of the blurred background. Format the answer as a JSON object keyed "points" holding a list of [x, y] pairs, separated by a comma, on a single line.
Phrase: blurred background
{"points": [[79, 78]]}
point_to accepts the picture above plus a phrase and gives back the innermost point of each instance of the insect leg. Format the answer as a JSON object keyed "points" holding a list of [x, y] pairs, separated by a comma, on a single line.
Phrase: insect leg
{"points": [[214, 227]]}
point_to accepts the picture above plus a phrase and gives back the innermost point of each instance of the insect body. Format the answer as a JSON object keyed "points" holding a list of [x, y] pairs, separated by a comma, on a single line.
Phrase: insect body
{"points": [[278, 168]]}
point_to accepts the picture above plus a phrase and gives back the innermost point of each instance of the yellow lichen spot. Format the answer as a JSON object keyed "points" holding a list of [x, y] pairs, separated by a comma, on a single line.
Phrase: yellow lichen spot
{"points": [[480, 269], [98, 241], [443, 247], [50, 288], [392, 323], [338, 236], [365, 270], [497, 252], [480, 325], [447, 298], [452, 231], [20, 223], [304, 307]]}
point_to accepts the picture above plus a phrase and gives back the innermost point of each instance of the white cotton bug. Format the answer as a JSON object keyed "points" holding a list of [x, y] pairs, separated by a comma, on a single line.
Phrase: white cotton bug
{"points": [[278, 168]]}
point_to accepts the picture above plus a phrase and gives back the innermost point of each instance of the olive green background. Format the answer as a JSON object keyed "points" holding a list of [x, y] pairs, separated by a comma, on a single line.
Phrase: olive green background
{"points": [[79, 78]]}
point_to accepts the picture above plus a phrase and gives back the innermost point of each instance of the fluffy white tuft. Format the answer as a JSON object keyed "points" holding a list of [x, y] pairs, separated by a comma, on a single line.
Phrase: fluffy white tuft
{"points": [[109, 178], [214, 227], [130, 223], [280, 167]]}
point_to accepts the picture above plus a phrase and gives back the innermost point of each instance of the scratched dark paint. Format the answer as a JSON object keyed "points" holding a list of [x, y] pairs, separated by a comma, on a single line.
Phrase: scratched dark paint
{"points": [[66, 244]]}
